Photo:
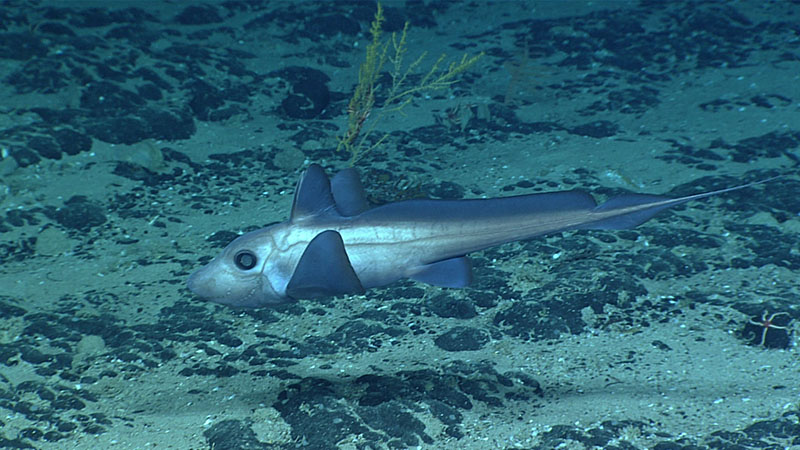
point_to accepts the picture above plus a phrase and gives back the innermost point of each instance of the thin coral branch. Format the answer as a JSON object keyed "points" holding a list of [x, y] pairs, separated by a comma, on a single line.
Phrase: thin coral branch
{"points": [[361, 121]]}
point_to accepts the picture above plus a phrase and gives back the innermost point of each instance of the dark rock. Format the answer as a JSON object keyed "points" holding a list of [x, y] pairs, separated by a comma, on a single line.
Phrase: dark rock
{"points": [[310, 94], [198, 15], [24, 157], [80, 214], [72, 142], [149, 91], [104, 99], [443, 305], [33, 434], [461, 339], [596, 129], [54, 28], [331, 25], [34, 356], [392, 418], [233, 435], [66, 401], [45, 146], [229, 340], [21, 46]]}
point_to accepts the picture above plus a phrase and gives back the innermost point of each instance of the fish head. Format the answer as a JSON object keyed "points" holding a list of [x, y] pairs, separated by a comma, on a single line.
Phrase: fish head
{"points": [[238, 276]]}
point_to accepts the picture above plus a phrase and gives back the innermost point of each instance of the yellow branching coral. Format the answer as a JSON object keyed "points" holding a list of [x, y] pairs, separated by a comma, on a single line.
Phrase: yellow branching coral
{"points": [[359, 124]]}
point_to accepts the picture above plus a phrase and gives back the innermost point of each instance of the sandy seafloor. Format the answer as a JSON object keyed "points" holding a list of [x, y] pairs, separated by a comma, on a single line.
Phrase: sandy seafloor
{"points": [[138, 140]]}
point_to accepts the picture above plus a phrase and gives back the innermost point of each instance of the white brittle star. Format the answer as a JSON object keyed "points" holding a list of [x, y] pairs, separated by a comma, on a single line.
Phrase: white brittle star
{"points": [[766, 322]]}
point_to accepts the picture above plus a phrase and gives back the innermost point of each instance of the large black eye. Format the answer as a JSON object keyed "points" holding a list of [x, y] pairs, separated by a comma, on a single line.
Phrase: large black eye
{"points": [[245, 259]]}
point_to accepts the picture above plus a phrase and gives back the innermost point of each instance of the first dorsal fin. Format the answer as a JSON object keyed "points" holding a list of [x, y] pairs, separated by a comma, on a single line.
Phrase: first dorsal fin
{"points": [[313, 194]]}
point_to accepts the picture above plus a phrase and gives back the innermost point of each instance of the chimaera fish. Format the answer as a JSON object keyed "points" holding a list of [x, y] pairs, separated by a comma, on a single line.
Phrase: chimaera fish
{"points": [[333, 244]]}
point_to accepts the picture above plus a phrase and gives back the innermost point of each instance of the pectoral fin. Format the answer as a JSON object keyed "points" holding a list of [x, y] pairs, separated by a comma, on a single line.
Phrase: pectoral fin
{"points": [[453, 272], [324, 270]]}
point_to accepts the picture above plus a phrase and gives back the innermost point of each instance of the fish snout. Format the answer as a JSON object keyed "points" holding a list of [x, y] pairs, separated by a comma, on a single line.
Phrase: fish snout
{"points": [[202, 283], [215, 283]]}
